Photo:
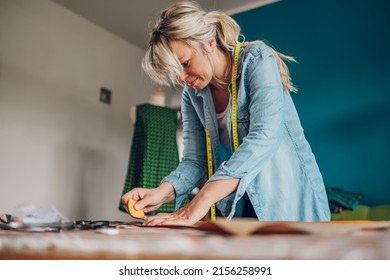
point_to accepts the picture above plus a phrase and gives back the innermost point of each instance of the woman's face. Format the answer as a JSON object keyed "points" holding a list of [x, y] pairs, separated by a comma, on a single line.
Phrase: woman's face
{"points": [[197, 69]]}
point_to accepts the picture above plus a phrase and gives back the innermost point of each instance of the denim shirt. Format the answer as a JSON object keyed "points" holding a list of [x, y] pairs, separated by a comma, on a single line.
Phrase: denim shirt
{"points": [[274, 161]]}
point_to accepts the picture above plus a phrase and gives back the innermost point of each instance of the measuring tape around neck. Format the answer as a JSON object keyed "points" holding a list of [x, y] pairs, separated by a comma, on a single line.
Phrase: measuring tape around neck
{"points": [[210, 169]]}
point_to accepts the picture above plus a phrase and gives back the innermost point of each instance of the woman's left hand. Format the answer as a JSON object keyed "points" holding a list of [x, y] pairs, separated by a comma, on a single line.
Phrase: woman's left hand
{"points": [[199, 205], [186, 216]]}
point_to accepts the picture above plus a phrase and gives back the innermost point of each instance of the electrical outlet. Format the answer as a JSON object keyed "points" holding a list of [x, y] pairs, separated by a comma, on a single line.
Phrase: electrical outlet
{"points": [[105, 95]]}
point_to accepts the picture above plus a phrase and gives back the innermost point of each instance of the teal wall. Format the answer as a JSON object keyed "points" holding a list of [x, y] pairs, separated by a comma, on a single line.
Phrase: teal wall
{"points": [[343, 77]]}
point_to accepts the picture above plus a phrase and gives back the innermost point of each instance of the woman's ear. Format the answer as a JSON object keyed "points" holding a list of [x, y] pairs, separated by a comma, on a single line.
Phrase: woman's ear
{"points": [[210, 46]]}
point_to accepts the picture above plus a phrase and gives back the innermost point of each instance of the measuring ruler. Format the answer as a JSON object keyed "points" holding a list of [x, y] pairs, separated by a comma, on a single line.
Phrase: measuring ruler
{"points": [[210, 169]]}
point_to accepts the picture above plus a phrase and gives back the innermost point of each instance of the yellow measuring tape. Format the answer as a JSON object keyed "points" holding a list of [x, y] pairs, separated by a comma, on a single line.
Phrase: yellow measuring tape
{"points": [[210, 169]]}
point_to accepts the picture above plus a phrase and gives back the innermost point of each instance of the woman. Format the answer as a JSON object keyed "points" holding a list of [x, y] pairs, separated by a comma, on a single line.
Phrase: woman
{"points": [[263, 166]]}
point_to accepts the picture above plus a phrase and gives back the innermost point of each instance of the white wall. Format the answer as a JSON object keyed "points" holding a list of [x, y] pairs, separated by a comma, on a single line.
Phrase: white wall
{"points": [[58, 144]]}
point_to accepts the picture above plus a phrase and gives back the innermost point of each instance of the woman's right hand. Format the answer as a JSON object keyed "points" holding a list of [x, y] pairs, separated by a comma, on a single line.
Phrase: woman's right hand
{"points": [[149, 200]]}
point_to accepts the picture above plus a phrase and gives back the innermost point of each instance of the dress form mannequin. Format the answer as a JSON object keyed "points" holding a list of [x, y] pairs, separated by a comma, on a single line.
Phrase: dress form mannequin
{"points": [[157, 99], [154, 151]]}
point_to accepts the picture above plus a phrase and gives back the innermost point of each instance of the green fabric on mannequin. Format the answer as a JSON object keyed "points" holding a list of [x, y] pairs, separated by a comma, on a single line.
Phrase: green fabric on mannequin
{"points": [[154, 152]]}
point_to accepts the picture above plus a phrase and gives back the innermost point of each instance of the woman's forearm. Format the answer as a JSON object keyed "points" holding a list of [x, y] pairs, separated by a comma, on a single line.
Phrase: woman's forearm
{"points": [[216, 190], [168, 192]]}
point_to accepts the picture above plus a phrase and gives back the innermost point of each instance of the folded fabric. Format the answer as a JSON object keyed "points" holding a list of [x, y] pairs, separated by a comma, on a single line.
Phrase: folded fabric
{"points": [[340, 199]]}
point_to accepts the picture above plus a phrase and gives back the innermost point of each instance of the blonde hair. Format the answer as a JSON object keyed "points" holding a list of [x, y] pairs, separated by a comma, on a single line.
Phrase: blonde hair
{"points": [[187, 22]]}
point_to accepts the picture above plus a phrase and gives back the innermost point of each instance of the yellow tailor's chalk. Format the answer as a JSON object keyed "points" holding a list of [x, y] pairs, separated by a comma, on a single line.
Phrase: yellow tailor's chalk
{"points": [[137, 214]]}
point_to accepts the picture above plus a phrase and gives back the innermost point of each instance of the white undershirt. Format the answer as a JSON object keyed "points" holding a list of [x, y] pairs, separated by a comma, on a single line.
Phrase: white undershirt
{"points": [[223, 129]]}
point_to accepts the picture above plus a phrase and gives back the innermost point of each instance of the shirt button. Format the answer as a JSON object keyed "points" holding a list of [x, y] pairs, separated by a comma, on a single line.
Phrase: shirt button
{"points": [[253, 194]]}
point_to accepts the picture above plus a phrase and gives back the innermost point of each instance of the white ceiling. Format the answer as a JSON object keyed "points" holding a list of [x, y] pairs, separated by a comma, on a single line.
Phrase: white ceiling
{"points": [[130, 19]]}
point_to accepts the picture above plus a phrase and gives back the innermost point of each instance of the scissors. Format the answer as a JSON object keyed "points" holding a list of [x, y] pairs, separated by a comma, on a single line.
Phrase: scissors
{"points": [[86, 224], [59, 226]]}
